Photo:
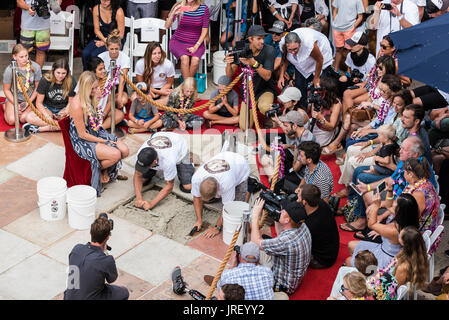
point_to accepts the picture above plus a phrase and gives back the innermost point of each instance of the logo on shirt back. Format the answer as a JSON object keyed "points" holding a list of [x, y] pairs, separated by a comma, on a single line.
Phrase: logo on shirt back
{"points": [[217, 166], [160, 143]]}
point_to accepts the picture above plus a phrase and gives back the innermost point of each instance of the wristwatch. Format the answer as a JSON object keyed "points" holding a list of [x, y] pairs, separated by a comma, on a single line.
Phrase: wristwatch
{"points": [[256, 65], [218, 228]]}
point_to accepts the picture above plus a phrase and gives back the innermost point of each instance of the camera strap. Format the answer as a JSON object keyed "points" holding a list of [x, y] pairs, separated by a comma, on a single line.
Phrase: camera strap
{"points": [[400, 27]]}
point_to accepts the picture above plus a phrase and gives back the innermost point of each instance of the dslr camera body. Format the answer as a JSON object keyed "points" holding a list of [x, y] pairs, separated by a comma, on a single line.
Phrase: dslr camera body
{"points": [[41, 7], [275, 110], [241, 50], [315, 98]]}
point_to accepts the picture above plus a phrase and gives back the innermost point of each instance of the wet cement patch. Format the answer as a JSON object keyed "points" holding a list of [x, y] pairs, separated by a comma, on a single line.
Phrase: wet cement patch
{"points": [[173, 217]]}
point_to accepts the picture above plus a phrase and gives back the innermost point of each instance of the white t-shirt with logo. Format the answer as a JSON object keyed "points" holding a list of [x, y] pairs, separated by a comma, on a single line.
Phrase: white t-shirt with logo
{"points": [[389, 24], [161, 72], [302, 61], [171, 149], [228, 168], [123, 61]]}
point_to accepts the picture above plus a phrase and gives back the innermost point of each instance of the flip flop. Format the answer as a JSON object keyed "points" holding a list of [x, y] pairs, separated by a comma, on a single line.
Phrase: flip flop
{"points": [[350, 226], [328, 150], [366, 237]]}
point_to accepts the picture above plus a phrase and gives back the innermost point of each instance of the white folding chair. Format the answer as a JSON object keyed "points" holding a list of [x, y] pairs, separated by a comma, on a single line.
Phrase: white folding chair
{"points": [[402, 293], [429, 240], [62, 31], [440, 216], [128, 45]]}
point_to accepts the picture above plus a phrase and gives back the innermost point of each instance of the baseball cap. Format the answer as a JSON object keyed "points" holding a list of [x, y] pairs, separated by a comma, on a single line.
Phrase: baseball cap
{"points": [[224, 80], [442, 5], [293, 116], [145, 158], [358, 37], [250, 249], [295, 210], [142, 86], [256, 30], [290, 94], [278, 27]]}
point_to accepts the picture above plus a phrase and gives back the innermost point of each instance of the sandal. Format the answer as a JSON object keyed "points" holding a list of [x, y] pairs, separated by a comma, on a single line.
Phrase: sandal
{"points": [[350, 226], [330, 149], [365, 237]]}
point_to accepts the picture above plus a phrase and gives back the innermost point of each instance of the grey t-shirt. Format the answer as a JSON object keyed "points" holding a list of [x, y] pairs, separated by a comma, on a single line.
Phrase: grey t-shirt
{"points": [[233, 100], [347, 13], [142, 110], [33, 22], [306, 136], [34, 77]]}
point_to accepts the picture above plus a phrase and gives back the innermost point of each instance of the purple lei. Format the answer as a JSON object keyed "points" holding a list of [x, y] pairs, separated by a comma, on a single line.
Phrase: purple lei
{"points": [[385, 107]]}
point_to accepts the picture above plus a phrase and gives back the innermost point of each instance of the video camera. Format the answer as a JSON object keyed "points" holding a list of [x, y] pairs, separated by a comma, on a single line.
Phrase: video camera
{"points": [[41, 7], [275, 110], [315, 98], [241, 50], [180, 287]]}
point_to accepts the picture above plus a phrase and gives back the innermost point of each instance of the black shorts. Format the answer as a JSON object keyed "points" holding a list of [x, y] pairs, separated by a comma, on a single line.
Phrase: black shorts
{"points": [[166, 4], [430, 97]]}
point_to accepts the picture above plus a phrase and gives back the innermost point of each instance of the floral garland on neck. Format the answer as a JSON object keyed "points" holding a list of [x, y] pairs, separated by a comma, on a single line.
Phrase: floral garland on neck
{"points": [[383, 111], [183, 103], [278, 147], [410, 188], [248, 72], [110, 82], [27, 83], [96, 121]]}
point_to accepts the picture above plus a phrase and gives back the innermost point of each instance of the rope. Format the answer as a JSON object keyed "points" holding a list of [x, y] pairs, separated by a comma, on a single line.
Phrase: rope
{"points": [[35, 110], [183, 111]]}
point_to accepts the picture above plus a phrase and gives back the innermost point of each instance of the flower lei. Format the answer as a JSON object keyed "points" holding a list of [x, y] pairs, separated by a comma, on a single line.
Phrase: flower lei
{"points": [[110, 82], [410, 188], [382, 113], [384, 283], [27, 83], [183, 103], [278, 147], [248, 72], [96, 122]]}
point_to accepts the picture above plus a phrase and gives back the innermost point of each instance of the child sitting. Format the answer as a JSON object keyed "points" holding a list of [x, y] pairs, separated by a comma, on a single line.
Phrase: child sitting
{"points": [[384, 158], [143, 116]]}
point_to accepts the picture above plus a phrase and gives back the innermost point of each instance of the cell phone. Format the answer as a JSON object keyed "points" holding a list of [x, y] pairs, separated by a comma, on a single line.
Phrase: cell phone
{"points": [[353, 87], [386, 6], [381, 187], [357, 190], [185, 8]]}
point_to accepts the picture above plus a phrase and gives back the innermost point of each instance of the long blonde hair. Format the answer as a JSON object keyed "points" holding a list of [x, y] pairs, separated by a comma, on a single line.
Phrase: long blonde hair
{"points": [[67, 82], [357, 285], [19, 48], [88, 103]]}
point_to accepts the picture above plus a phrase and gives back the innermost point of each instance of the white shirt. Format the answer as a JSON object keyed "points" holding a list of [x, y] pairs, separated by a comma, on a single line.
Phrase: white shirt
{"points": [[161, 72], [419, 3], [228, 168], [366, 68], [171, 149], [123, 61], [389, 24], [143, 1], [302, 61]]}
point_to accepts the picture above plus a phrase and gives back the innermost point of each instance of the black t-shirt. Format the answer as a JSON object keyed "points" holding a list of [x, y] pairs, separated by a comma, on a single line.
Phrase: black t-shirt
{"points": [[266, 59], [308, 11], [54, 93], [325, 236], [387, 150]]}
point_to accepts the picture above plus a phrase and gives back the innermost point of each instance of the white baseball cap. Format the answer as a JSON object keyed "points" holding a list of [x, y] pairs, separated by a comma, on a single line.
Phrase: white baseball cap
{"points": [[290, 94]]}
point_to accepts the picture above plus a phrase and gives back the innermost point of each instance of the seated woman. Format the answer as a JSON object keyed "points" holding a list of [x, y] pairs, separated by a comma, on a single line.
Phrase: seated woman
{"points": [[384, 158], [187, 43], [226, 110], [183, 97], [143, 116], [354, 287], [286, 11], [355, 157], [54, 92], [314, 9], [90, 141], [372, 96], [328, 118], [403, 213], [30, 73], [107, 16], [157, 72]]}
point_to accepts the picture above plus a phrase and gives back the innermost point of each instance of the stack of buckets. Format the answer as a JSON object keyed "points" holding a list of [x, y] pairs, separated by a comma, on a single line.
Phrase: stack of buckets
{"points": [[232, 219], [54, 198]]}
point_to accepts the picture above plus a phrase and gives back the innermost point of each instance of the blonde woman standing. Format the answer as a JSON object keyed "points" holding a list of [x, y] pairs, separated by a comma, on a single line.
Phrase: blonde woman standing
{"points": [[89, 140]]}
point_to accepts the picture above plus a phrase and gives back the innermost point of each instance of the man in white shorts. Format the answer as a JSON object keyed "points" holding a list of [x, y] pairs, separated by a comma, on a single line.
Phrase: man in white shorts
{"points": [[169, 153], [224, 175]]}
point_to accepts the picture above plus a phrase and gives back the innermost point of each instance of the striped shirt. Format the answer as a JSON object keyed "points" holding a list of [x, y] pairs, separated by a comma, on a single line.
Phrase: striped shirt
{"points": [[191, 24], [257, 280], [321, 177], [291, 251]]}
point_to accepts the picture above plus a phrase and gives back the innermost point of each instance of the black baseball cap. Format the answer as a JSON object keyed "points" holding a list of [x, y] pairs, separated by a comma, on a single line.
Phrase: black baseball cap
{"points": [[295, 210], [358, 37], [256, 30], [145, 158]]}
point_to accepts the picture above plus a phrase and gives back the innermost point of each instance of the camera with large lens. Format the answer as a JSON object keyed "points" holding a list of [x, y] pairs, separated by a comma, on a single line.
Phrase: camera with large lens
{"points": [[273, 202], [275, 110], [356, 76], [315, 98], [41, 8], [104, 215], [241, 50]]}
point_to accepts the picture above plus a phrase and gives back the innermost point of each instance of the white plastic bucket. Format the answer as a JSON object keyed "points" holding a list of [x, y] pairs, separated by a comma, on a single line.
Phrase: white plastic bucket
{"points": [[51, 193], [219, 65], [81, 203], [232, 219]]}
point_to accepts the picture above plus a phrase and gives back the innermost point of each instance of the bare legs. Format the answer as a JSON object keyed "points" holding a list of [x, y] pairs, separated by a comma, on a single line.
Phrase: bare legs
{"points": [[108, 156], [189, 66], [217, 119]]}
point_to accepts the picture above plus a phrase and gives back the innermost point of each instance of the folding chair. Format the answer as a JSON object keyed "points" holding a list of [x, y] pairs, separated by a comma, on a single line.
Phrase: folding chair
{"points": [[149, 31], [62, 32], [402, 293]]}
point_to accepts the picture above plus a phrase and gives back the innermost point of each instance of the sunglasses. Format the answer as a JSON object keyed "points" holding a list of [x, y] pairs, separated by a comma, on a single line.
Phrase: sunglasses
{"points": [[342, 290], [384, 47], [277, 34]]}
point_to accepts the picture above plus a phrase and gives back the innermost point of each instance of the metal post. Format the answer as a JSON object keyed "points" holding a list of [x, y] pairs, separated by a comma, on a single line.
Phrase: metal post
{"points": [[119, 133], [246, 224], [238, 18], [17, 134]]}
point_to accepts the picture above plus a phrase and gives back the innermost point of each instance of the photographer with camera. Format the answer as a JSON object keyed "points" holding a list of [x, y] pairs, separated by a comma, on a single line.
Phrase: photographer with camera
{"points": [[35, 25], [92, 265], [288, 255], [260, 58], [309, 51], [322, 226]]}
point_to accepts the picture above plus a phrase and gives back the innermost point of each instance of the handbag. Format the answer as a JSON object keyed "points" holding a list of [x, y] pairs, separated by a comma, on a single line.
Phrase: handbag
{"points": [[348, 210], [362, 114]]}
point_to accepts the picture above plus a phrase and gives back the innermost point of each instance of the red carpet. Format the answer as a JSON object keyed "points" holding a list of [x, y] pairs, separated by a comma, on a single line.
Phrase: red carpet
{"points": [[3, 125]]}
